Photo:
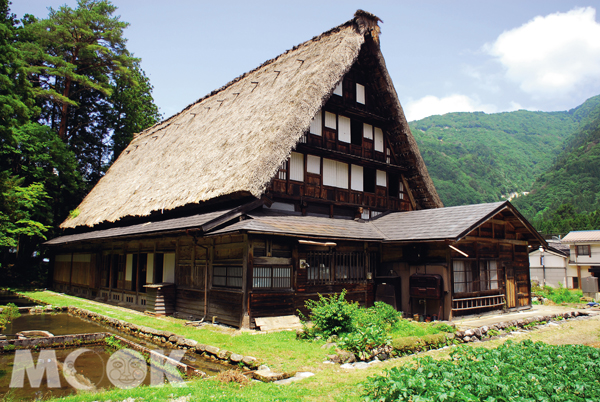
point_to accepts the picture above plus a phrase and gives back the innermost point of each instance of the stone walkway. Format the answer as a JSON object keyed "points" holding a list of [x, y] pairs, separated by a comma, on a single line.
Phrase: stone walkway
{"points": [[489, 319]]}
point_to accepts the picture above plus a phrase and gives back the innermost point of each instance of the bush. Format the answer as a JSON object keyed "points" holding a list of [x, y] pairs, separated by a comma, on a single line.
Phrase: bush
{"points": [[558, 295], [381, 314], [9, 313], [332, 315], [364, 342]]}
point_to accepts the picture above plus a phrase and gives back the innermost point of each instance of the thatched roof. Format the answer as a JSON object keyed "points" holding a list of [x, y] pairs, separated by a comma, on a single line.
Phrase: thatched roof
{"points": [[233, 140]]}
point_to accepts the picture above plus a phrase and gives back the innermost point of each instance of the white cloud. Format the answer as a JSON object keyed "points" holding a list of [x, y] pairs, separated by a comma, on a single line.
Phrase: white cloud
{"points": [[552, 55], [430, 105]]}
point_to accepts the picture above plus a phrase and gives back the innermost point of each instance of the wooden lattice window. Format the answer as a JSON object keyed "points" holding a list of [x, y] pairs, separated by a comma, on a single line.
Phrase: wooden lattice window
{"points": [[272, 278], [282, 173], [227, 276], [337, 267], [473, 276]]}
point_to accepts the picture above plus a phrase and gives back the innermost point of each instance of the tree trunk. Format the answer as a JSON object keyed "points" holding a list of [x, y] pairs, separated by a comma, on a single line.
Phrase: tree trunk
{"points": [[64, 113]]}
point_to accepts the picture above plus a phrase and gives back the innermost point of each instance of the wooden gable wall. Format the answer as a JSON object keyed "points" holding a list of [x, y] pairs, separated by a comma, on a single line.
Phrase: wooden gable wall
{"points": [[348, 139]]}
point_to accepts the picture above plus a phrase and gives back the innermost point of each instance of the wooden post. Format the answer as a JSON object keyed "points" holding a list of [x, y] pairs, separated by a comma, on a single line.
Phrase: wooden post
{"points": [[71, 274]]}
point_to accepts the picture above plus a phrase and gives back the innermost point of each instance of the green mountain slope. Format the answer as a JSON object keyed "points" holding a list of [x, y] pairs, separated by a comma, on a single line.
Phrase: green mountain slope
{"points": [[567, 196], [478, 157]]}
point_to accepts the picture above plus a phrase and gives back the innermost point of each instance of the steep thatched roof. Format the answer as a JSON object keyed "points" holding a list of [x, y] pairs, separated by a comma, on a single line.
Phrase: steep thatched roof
{"points": [[233, 140]]}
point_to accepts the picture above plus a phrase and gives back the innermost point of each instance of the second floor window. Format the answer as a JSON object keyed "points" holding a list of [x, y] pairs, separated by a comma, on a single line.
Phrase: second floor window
{"points": [[583, 251]]}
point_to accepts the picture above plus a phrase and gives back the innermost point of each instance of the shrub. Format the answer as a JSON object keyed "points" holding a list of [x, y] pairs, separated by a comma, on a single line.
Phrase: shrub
{"points": [[331, 315], [364, 342], [9, 313], [381, 315], [558, 295]]}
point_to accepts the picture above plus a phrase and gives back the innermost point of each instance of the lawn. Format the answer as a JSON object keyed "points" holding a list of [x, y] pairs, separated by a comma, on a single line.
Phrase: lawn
{"points": [[282, 351]]}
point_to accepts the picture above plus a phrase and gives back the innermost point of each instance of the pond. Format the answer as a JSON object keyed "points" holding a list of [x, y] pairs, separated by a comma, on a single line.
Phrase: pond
{"points": [[91, 367], [92, 364], [9, 297]]}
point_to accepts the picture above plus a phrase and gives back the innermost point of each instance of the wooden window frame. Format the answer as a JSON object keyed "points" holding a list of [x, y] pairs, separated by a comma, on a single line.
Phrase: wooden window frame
{"points": [[583, 249], [271, 278], [333, 267], [228, 268]]}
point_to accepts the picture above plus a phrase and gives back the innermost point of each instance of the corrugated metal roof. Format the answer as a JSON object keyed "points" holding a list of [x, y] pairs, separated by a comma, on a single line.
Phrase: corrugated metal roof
{"points": [[431, 224], [143, 228], [582, 236]]}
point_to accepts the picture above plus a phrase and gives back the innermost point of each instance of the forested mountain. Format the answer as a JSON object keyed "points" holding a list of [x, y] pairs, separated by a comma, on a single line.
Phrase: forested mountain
{"points": [[479, 157], [567, 196]]}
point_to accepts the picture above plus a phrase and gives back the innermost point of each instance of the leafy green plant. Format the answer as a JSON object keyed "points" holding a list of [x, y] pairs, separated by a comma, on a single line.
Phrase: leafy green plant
{"points": [[363, 342], [493, 332], [525, 371], [558, 295], [9, 313], [331, 315], [381, 314]]}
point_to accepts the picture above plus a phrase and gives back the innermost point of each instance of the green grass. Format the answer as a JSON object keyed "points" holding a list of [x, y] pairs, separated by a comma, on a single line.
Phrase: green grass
{"points": [[559, 295], [405, 328], [281, 350], [278, 350]]}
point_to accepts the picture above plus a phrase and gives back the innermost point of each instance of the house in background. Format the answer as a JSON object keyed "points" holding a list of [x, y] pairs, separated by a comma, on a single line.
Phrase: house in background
{"points": [[296, 179], [550, 266], [584, 254]]}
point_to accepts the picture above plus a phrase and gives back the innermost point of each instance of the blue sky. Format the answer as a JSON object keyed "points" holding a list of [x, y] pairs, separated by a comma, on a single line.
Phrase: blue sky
{"points": [[443, 56]]}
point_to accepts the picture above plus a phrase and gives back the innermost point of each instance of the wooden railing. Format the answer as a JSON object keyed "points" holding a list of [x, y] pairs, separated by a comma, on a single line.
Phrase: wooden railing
{"points": [[470, 303]]}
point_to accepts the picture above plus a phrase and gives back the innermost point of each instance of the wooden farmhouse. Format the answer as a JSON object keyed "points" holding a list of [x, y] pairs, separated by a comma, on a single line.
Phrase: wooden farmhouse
{"points": [[296, 179]]}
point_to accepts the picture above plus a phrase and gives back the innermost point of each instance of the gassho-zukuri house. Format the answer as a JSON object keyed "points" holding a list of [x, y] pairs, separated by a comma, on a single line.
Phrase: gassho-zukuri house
{"points": [[298, 178]]}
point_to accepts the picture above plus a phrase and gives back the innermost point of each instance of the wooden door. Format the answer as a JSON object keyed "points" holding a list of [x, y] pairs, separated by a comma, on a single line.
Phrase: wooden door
{"points": [[511, 288]]}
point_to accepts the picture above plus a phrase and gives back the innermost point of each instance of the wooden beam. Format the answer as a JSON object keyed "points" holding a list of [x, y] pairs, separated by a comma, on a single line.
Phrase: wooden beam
{"points": [[497, 221], [490, 240], [234, 213], [409, 192]]}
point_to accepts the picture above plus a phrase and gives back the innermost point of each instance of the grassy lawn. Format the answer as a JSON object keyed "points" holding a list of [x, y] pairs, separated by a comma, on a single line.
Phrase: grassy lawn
{"points": [[282, 351]]}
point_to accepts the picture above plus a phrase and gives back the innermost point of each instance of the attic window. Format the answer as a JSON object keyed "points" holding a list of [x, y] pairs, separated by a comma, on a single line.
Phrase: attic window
{"points": [[335, 174], [357, 132], [313, 164], [282, 173], [356, 181], [330, 120], [378, 140], [396, 186], [367, 131], [297, 167], [344, 132], [381, 178], [369, 180], [316, 124], [338, 89], [360, 93]]}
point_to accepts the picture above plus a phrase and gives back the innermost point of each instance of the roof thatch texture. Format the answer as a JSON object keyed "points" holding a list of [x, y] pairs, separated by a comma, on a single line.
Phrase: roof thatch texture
{"points": [[234, 139]]}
